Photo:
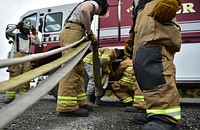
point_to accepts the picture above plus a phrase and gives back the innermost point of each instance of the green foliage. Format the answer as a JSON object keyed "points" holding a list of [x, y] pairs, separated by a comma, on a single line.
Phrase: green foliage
{"points": [[189, 93]]}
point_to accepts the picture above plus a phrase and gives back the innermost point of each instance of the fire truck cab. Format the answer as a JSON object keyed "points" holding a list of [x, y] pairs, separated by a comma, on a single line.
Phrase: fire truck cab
{"points": [[114, 30]]}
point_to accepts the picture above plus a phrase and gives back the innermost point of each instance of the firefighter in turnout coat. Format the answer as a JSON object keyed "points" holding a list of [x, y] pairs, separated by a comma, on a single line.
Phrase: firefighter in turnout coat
{"points": [[107, 57], [126, 88], [157, 39], [22, 40], [71, 99]]}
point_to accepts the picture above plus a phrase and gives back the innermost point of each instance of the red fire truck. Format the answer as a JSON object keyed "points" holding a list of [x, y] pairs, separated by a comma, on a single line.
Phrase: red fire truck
{"points": [[114, 30]]}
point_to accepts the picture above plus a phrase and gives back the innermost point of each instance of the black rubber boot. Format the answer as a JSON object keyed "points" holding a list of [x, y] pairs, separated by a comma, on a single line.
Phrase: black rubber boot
{"points": [[134, 109], [160, 125], [98, 100], [87, 107], [77, 113], [140, 118], [89, 100], [7, 100]]}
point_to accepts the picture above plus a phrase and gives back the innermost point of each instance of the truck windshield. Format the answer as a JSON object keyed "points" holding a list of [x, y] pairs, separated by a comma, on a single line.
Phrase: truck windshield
{"points": [[53, 22], [32, 19]]}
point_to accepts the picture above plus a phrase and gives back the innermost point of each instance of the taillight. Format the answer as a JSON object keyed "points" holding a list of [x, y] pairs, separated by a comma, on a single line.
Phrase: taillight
{"points": [[46, 35]]}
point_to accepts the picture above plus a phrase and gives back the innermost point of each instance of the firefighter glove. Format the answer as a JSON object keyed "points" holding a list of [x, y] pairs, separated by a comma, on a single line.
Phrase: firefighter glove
{"points": [[33, 30], [92, 37], [128, 47], [165, 10], [106, 71]]}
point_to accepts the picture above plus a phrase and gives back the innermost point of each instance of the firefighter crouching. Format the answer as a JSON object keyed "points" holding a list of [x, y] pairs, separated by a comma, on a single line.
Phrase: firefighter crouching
{"points": [[126, 88], [22, 42], [107, 57], [71, 99], [157, 39]]}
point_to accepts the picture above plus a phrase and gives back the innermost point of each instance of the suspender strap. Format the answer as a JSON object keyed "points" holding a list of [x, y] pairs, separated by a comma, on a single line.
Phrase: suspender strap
{"points": [[17, 42], [79, 23], [141, 5], [67, 19]]}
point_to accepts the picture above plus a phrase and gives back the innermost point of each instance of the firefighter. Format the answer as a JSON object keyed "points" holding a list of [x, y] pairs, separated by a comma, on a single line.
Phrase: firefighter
{"points": [[126, 88], [107, 57], [156, 40], [22, 41], [71, 99]]}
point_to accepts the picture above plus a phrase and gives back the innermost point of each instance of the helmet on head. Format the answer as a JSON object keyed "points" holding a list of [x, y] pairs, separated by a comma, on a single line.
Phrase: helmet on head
{"points": [[26, 25], [105, 6], [22, 25]]}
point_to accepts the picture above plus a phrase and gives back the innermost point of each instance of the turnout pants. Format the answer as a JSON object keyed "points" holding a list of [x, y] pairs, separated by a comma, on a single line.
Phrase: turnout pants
{"points": [[71, 92], [127, 92], [155, 45], [124, 91], [91, 89], [138, 99], [16, 70]]}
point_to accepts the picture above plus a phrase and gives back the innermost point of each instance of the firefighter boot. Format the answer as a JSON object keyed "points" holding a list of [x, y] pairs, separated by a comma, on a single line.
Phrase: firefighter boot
{"points": [[160, 125], [140, 118], [98, 100], [87, 107], [80, 112], [134, 109], [89, 100], [8, 100]]}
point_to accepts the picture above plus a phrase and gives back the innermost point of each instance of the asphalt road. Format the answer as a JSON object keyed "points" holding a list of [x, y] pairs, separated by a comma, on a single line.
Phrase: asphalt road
{"points": [[111, 116]]}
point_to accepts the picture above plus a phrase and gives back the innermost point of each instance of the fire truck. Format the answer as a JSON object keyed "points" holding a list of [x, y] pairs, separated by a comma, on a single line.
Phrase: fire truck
{"points": [[113, 30]]}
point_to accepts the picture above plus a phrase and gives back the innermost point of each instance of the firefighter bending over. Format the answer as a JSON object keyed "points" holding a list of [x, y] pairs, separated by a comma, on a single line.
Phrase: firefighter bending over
{"points": [[157, 39], [107, 57], [22, 42], [126, 88], [71, 99]]}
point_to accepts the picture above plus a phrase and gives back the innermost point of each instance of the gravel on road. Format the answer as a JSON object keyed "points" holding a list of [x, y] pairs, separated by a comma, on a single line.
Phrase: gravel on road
{"points": [[110, 116]]}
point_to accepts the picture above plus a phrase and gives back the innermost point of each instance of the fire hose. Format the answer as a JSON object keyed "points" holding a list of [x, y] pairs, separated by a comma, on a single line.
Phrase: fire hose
{"points": [[96, 66]]}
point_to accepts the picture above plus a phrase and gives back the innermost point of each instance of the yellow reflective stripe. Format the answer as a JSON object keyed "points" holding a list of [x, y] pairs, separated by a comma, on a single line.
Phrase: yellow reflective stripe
{"points": [[81, 97], [130, 68], [174, 112], [87, 60], [128, 80], [127, 100], [67, 100], [99, 54], [10, 94], [138, 98], [22, 93], [106, 57]]}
